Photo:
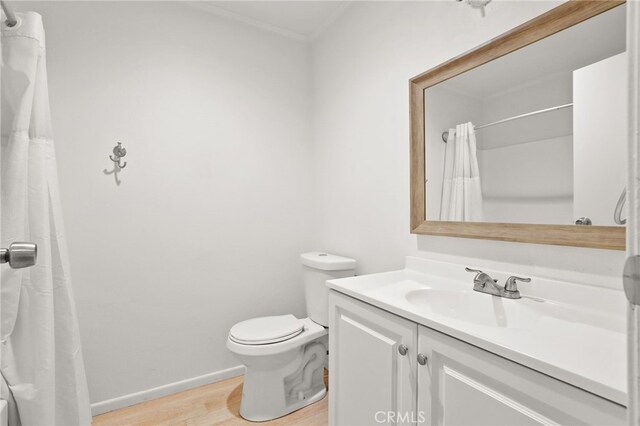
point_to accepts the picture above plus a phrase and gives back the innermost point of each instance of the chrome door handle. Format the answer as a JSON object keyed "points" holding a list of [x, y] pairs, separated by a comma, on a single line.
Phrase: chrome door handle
{"points": [[422, 359], [403, 350], [19, 255]]}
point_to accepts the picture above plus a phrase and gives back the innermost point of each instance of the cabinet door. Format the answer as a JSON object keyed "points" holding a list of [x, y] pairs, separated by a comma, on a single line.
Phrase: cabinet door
{"points": [[599, 115], [370, 381], [464, 385]]}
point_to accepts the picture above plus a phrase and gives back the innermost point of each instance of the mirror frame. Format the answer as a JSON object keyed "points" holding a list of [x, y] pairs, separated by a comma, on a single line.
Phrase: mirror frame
{"points": [[562, 17]]}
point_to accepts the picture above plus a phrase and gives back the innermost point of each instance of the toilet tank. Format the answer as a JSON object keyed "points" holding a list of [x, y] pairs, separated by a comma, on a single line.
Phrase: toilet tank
{"points": [[318, 267]]}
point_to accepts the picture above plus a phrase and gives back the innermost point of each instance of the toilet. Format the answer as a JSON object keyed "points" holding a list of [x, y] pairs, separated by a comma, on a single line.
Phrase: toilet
{"points": [[285, 356]]}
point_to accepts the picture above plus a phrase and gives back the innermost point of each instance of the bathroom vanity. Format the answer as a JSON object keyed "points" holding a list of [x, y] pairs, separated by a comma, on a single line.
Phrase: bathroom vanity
{"points": [[419, 346]]}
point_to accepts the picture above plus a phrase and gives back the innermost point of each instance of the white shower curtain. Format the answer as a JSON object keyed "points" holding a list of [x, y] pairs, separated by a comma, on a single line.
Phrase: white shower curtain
{"points": [[461, 191], [41, 358]]}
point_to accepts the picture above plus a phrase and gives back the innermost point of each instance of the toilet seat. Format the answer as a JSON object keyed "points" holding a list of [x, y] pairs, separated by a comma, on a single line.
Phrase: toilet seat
{"points": [[310, 331], [266, 330]]}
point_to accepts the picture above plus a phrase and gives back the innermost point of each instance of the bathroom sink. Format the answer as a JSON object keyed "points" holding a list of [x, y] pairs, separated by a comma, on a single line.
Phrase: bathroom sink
{"points": [[562, 329], [482, 309], [466, 306]]}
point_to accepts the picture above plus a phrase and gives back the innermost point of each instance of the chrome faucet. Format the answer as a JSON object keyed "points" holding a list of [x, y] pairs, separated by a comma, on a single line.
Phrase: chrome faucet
{"points": [[483, 283]]}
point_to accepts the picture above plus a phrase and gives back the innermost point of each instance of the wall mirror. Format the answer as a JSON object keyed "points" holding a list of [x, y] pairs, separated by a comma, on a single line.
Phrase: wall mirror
{"points": [[525, 137]]}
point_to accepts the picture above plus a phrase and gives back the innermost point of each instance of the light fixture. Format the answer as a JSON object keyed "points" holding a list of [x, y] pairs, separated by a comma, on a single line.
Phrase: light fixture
{"points": [[478, 4]]}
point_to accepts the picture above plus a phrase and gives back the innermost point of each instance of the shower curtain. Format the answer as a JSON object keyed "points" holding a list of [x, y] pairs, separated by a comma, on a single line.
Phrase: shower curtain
{"points": [[40, 354], [461, 191]]}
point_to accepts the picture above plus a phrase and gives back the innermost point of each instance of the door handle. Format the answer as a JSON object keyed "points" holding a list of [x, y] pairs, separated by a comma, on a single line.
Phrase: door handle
{"points": [[19, 255]]}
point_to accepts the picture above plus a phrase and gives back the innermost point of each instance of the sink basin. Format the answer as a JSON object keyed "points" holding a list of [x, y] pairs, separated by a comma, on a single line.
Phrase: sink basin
{"points": [[491, 311], [461, 305]]}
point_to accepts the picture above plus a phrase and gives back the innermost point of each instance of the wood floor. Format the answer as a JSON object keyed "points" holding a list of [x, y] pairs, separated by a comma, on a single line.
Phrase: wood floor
{"points": [[215, 404]]}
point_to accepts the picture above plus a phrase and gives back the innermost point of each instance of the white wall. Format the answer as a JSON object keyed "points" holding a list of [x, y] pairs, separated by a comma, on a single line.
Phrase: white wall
{"points": [[362, 65], [214, 205], [528, 182], [526, 165], [535, 95]]}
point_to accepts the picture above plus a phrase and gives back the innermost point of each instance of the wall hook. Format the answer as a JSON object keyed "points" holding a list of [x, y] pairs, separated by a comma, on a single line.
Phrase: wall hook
{"points": [[119, 151]]}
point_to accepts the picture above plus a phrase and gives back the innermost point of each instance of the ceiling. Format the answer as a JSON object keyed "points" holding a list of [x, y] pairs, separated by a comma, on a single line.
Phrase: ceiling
{"points": [[300, 20]]}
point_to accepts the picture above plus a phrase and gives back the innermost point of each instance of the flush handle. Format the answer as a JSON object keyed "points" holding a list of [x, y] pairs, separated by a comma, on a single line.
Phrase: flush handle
{"points": [[19, 255]]}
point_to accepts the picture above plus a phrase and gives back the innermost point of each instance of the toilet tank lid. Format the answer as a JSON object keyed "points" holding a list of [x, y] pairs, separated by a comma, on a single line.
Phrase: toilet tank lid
{"points": [[326, 261]]}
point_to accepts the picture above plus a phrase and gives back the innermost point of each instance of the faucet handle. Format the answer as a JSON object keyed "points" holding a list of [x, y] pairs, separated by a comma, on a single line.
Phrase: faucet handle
{"points": [[480, 273], [511, 284]]}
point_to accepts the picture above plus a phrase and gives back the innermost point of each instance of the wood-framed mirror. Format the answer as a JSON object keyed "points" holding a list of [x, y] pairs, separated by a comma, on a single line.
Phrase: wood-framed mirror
{"points": [[524, 138]]}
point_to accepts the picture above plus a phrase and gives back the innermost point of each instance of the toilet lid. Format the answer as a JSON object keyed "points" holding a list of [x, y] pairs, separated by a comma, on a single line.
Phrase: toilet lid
{"points": [[265, 330]]}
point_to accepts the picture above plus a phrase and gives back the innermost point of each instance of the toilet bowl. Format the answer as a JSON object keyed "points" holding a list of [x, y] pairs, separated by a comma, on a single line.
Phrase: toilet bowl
{"points": [[274, 383], [284, 356]]}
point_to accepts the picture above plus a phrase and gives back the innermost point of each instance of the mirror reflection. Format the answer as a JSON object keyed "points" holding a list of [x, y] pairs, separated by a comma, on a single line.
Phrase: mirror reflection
{"points": [[536, 136]]}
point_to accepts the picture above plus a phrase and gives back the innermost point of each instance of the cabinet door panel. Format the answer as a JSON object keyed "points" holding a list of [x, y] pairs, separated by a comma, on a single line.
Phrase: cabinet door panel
{"points": [[464, 385], [370, 381], [465, 397]]}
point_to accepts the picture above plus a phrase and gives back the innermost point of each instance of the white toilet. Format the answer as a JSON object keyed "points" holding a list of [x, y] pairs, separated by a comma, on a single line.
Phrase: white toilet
{"points": [[285, 356]]}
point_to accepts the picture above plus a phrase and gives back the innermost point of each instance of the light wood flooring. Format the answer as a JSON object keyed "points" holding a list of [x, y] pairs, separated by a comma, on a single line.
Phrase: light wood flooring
{"points": [[215, 404]]}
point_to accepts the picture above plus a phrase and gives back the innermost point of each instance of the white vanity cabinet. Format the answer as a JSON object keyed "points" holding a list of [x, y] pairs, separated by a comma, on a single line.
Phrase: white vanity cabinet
{"points": [[440, 380], [461, 384], [367, 373]]}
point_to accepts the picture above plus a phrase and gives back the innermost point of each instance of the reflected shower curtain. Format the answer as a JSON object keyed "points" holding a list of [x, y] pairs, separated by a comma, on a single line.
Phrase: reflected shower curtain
{"points": [[40, 354], [461, 191]]}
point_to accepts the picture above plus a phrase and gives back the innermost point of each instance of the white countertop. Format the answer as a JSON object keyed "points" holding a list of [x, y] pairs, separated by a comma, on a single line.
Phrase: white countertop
{"points": [[578, 334]]}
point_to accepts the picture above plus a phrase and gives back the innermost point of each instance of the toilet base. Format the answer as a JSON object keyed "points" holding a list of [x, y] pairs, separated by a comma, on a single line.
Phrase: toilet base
{"points": [[282, 377], [318, 396]]}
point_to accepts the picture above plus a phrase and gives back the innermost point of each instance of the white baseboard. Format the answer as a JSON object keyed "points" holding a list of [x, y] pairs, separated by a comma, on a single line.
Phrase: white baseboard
{"points": [[164, 390]]}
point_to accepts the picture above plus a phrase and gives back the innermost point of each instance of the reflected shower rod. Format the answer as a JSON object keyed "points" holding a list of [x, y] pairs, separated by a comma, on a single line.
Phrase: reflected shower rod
{"points": [[8, 12], [445, 135]]}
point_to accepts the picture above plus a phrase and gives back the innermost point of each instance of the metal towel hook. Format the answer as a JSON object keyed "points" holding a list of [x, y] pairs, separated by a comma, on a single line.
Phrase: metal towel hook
{"points": [[119, 151]]}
